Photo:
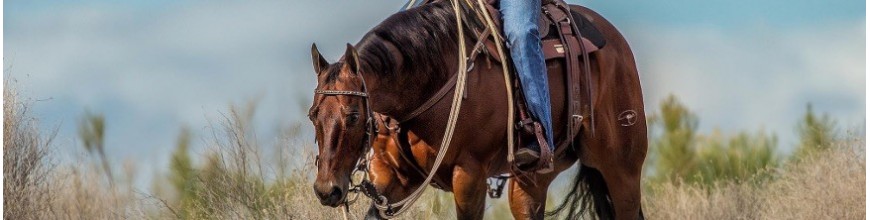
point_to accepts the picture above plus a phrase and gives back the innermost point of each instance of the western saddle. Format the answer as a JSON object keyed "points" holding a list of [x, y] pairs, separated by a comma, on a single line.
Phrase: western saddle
{"points": [[567, 37]]}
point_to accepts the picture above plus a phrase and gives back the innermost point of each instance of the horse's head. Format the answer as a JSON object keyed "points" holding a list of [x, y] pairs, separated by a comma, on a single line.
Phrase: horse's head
{"points": [[342, 121]]}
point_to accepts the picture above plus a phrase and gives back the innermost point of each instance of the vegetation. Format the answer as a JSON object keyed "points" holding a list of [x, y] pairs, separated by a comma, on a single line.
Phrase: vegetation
{"points": [[36, 187], [828, 186], [690, 174], [26, 163], [697, 176], [816, 134], [678, 153], [92, 130]]}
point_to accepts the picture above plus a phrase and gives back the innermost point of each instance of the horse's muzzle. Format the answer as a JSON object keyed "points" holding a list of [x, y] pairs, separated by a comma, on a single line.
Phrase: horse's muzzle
{"points": [[329, 194]]}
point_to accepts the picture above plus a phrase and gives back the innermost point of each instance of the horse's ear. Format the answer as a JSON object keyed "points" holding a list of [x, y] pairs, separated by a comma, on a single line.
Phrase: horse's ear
{"points": [[319, 63], [351, 59]]}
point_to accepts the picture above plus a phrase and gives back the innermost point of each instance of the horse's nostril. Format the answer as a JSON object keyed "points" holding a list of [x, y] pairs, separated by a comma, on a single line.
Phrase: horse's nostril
{"points": [[336, 192], [330, 196], [335, 196]]}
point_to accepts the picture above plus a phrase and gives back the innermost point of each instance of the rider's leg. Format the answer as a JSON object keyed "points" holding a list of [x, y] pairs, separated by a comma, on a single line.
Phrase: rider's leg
{"points": [[520, 19]]}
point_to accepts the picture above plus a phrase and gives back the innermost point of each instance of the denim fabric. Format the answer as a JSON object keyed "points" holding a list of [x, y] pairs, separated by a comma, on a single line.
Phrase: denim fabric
{"points": [[520, 19]]}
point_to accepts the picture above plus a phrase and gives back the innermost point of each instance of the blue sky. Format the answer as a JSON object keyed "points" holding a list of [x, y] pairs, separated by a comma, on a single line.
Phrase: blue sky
{"points": [[731, 14], [154, 66]]}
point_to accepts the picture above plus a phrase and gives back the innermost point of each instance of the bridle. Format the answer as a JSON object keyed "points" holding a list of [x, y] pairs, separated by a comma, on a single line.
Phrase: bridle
{"points": [[371, 125], [385, 208], [390, 210], [371, 130]]}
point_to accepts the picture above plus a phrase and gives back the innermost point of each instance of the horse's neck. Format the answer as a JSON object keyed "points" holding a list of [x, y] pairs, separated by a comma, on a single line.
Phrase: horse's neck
{"points": [[398, 94]]}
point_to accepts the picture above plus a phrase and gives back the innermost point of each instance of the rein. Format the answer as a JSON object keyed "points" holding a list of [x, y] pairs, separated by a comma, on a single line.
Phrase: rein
{"points": [[385, 209]]}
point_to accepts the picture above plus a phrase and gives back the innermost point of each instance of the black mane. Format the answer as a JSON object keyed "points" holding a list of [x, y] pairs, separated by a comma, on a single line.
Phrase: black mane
{"points": [[413, 53], [421, 36]]}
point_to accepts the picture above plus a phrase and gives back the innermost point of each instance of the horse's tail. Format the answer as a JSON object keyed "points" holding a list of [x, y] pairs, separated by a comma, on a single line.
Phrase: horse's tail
{"points": [[588, 191]]}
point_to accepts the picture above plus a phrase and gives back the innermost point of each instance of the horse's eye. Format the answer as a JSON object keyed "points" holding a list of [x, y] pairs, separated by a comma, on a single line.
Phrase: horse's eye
{"points": [[352, 118], [312, 116]]}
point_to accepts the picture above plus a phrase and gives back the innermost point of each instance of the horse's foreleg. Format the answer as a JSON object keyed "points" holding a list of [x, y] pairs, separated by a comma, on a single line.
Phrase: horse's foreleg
{"points": [[528, 198], [469, 191]]}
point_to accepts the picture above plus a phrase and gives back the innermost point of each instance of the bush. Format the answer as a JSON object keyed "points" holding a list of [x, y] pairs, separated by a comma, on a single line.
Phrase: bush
{"points": [[27, 167], [816, 133], [828, 186], [237, 182], [678, 154]]}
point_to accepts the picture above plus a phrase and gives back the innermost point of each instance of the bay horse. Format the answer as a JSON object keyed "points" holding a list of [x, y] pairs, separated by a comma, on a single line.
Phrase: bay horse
{"points": [[404, 60]]}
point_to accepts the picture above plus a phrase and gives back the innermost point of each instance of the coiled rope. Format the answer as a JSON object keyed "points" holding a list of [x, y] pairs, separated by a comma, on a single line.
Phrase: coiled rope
{"points": [[384, 209]]}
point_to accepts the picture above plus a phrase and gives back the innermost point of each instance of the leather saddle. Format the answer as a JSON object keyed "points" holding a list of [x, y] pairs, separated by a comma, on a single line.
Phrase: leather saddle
{"points": [[553, 13], [568, 38]]}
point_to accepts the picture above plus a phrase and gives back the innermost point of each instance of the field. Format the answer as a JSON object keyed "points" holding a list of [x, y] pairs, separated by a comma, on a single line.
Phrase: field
{"points": [[234, 178], [828, 186]]}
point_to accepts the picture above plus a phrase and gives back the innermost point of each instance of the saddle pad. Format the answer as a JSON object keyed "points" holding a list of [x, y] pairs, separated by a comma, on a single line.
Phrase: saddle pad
{"points": [[592, 39], [588, 30]]}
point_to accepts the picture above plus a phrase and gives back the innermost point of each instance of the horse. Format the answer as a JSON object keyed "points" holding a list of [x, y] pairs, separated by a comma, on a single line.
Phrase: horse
{"points": [[405, 59]]}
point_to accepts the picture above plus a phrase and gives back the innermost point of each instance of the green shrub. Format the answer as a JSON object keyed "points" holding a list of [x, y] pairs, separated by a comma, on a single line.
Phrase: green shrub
{"points": [[816, 133], [678, 153]]}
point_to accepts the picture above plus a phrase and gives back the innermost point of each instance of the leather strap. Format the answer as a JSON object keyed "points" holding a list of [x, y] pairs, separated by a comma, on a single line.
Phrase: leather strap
{"points": [[572, 49], [478, 48], [589, 110], [432, 101], [574, 68]]}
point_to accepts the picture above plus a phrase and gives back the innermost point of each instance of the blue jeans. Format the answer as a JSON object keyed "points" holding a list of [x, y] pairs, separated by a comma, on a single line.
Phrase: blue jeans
{"points": [[520, 19]]}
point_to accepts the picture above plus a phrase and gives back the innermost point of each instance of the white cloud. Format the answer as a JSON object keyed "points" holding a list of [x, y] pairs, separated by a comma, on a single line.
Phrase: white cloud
{"points": [[755, 77]]}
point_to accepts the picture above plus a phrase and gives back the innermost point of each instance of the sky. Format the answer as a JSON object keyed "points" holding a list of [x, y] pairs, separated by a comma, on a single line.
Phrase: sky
{"points": [[153, 67]]}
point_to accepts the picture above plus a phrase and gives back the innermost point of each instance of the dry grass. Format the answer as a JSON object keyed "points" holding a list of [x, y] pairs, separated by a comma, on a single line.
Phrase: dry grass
{"points": [[26, 169], [829, 185], [239, 179], [236, 180], [36, 187], [82, 193]]}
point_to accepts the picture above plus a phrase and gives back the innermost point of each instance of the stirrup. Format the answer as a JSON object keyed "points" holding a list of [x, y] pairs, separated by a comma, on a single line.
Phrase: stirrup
{"points": [[527, 159], [543, 156], [545, 162]]}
